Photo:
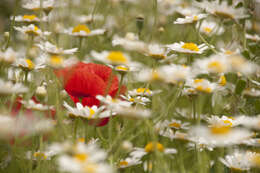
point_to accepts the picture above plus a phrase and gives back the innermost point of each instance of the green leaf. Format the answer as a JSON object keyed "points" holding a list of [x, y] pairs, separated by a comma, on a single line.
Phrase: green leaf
{"points": [[240, 86]]}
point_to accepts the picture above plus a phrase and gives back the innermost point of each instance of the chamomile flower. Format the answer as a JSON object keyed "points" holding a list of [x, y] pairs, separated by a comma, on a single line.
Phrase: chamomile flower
{"points": [[7, 87], [113, 103], [39, 155], [52, 49], [191, 48], [148, 75], [252, 142], [128, 162], [157, 51], [223, 9], [89, 18], [210, 28], [8, 56], [136, 99], [47, 5], [143, 92], [174, 74], [251, 122], [86, 112], [224, 121], [132, 112], [214, 64], [31, 104], [218, 135], [237, 161], [83, 31], [32, 30], [29, 18], [130, 42], [200, 85], [190, 19], [252, 92], [187, 10], [28, 64], [112, 57]]}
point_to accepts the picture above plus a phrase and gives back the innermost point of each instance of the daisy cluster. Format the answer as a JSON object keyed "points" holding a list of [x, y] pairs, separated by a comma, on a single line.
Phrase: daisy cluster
{"points": [[105, 86]]}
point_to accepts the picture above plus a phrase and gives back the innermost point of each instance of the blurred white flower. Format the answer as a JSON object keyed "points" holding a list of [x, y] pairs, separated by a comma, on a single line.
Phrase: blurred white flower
{"points": [[187, 47], [190, 19]]}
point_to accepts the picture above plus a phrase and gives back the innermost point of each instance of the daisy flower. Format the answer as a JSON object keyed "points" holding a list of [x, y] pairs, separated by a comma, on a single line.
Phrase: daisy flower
{"points": [[172, 124], [147, 75], [187, 10], [187, 47], [222, 9], [8, 56], [237, 161], [112, 57], [132, 112], [218, 135], [200, 85], [29, 18], [128, 162], [142, 92], [136, 99], [52, 49], [32, 30], [89, 18], [47, 5], [83, 31], [28, 64], [210, 28], [252, 92], [39, 155], [112, 103], [31, 104], [7, 87], [223, 121], [86, 111], [130, 42], [190, 19], [157, 51]]}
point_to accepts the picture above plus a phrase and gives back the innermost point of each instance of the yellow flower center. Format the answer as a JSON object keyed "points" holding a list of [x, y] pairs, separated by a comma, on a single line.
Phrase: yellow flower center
{"points": [[216, 66], [191, 46], [228, 123], [256, 160], [117, 57], [195, 18], [204, 89], [90, 168], [29, 17], [30, 64], [175, 125], [56, 60], [122, 68], [81, 157], [155, 75], [123, 163], [158, 56], [34, 31], [91, 112], [131, 99], [151, 146], [40, 155], [198, 81], [220, 130], [229, 52], [81, 140], [207, 29], [143, 91], [222, 80], [80, 27]]}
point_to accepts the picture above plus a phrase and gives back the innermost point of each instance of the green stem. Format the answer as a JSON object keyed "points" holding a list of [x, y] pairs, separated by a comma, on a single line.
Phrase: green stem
{"points": [[120, 84]]}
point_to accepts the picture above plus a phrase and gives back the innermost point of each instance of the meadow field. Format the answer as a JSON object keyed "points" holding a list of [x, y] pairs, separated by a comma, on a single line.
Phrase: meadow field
{"points": [[129, 86]]}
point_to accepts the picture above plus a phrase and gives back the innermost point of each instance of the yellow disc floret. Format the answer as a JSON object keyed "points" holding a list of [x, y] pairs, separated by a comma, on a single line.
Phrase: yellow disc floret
{"points": [[222, 80], [117, 57], [220, 130], [29, 17], [175, 125], [143, 91], [81, 157], [30, 64], [56, 60], [207, 29], [152, 146], [216, 66], [191, 46], [123, 163], [80, 27]]}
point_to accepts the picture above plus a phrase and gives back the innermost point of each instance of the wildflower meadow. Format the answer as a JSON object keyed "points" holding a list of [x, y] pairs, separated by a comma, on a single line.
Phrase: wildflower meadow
{"points": [[129, 86]]}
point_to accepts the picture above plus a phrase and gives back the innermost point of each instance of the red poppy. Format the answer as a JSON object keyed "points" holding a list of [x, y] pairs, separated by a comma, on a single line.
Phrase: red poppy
{"points": [[83, 82]]}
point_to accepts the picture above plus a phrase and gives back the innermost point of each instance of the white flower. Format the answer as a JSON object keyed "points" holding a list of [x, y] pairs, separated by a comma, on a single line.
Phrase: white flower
{"points": [[8, 56], [210, 28], [172, 124], [86, 112], [157, 51], [187, 47], [89, 18], [224, 121], [187, 10], [190, 19], [200, 85], [7, 87], [143, 92], [52, 49], [38, 155], [27, 64], [29, 18], [47, 5], [32, 30], [112, 57], [130, 42], [218, 135], [136, 99], [129, 161], [113, 103], [31, 104], [252, 92], [132, 112], [222, 9], [237, 161], [83, 31]]}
